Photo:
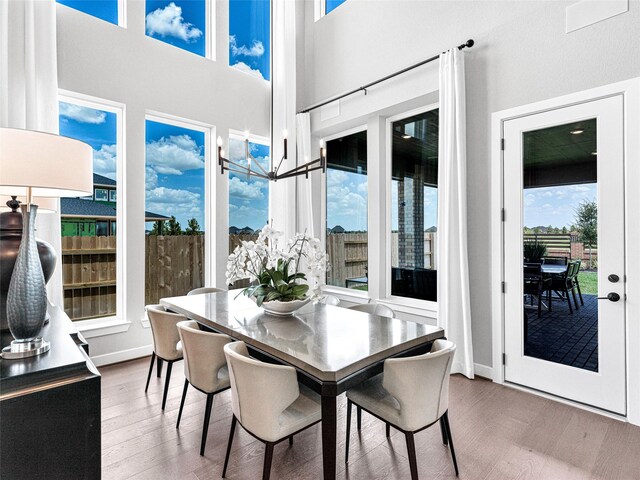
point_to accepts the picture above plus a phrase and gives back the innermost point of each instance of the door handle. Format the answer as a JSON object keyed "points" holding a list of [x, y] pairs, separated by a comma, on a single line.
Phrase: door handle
{"points": [[613, 297]]}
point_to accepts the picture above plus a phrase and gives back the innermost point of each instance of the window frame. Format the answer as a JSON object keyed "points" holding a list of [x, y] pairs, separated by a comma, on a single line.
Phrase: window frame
{"points": [[117, 323], [358, 296], [407, 304], [209, 182]]}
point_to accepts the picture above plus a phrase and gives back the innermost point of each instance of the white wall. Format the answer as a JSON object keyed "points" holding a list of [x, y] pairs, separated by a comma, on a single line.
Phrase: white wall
{"points": [[124, 65], [522, 55]]}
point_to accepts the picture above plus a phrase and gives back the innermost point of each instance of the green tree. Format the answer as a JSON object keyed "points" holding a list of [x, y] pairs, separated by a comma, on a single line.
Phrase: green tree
{"points": [[564, 230], [587, 224], [193, 228], [173, 228], [158, 228]]}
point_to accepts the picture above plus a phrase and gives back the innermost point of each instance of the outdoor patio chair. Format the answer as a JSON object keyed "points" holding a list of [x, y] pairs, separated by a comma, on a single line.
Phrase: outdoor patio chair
{"points": [[562, 284], [536, 284]]}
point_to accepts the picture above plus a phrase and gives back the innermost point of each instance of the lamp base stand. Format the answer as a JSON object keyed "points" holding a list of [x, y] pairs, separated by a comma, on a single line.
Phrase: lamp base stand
{"points": [[25, 349]]}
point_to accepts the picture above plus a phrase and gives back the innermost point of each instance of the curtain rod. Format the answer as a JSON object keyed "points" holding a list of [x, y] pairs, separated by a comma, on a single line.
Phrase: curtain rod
{"points": [[467, 44]]}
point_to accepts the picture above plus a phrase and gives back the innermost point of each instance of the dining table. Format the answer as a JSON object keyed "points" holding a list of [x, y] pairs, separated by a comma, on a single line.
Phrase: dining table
{"points": [[332, 348]]}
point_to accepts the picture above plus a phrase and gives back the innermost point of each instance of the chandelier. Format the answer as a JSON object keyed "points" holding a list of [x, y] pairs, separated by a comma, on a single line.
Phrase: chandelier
{"points": [[273, 174]]}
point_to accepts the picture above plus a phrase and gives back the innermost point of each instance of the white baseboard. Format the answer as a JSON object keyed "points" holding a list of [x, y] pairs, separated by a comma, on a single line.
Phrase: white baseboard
{"points": [[483, 371], [122, 356]]}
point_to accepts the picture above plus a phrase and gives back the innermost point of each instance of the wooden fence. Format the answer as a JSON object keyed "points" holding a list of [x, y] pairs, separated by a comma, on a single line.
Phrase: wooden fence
{"points": [[89, 276], [173, 266], [563, 245], [347, 257]]}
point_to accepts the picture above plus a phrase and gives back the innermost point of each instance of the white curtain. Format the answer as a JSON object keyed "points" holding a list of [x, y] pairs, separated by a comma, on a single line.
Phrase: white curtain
{"points": [[29, 91], [305, 185], [282, 195], [454, 312]]}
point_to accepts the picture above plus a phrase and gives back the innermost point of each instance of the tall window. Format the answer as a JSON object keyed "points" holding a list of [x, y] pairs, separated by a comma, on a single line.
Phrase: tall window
{"points": [[347, 211], [249, 34], [88, 224], [106, 10], [414, 206], [248, 197], [181, 23], [331, 5], [174, 211]]}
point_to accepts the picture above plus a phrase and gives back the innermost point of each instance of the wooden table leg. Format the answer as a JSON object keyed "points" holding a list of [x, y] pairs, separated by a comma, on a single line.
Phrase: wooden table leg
{"points": [[329, 420]]}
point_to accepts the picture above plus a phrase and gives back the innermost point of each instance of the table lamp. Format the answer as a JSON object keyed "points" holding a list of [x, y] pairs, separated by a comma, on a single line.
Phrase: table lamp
{"points": [[36, 164]]}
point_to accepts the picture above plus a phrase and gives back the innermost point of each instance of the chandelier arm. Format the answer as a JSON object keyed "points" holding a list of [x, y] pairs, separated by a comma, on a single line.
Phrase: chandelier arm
{"points": [[258, 163], [237, 165], [250, 173], [292, 173], [304, 166]]}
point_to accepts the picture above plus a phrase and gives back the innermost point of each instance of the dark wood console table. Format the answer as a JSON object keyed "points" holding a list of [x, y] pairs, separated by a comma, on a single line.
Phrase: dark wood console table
{"points": [[50, 409]]}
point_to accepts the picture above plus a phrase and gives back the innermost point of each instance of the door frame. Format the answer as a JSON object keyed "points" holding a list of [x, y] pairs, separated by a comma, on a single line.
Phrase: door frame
{"points": [[630, 90]]}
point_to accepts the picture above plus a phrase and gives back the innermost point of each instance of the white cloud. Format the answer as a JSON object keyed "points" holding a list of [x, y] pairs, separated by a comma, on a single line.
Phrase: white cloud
{"points": [[151, 179], [170, 201], [243, 67], [82, 114], [174, 154], [105, 161], [168, 22], [256, 49], [246, 190]]}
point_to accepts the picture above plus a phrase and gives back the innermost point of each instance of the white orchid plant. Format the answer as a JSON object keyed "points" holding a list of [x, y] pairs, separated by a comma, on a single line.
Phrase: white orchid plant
{"points": [[276, 271]]}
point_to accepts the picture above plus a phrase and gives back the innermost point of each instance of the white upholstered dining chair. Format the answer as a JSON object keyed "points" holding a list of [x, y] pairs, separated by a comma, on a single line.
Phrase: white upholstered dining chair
{"points": [[375, 309], [267, 401], [205, 368], [197, 291], [411, 394], [166, 342]]}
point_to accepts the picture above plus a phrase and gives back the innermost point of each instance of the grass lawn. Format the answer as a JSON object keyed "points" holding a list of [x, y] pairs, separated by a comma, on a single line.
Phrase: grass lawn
{"points": [[588, 282]]}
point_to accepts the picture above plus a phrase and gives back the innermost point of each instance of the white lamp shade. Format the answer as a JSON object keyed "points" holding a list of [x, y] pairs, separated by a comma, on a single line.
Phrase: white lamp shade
{"points": [[52, 165], [45, 204]]}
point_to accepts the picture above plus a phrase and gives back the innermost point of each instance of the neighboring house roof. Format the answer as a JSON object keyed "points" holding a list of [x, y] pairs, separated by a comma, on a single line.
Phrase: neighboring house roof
{"points": [[101, 180], [337, 229], [246, 231], [79, 208], [233, 230]]}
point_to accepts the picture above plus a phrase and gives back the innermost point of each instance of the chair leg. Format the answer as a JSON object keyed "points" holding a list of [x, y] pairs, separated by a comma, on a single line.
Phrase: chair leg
{"points": [[575, 298], [566, 292], [205, 426], [290, 440], [346, 447], [453, 452], [226, 457], [411, 450], [166, 383], [579, 293], [359, 415], [443, 431], [159, 369], [268, 456], [153, 359], [184, 397], [388, 430]]}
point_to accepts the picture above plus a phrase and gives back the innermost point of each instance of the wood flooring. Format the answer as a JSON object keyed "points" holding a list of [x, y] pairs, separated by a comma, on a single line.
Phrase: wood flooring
{"points": [[498, 432]]}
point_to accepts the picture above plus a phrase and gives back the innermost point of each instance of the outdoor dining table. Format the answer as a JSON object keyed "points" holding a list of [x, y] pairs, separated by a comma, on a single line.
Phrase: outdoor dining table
{"points": [[332, 348], [552, 269]]}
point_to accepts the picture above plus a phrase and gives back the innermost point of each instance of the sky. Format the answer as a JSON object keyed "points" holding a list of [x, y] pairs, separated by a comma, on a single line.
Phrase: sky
{"points": [[179, 22], [332, 5], [430, 204], [249, 36], [555, 206], [346, 200], [105, 9], [95, 127], [248, 197], [175, 172]]}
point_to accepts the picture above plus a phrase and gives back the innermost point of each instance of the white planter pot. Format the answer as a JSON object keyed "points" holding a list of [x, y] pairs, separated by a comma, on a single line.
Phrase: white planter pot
{"points": [[276, 307]]}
